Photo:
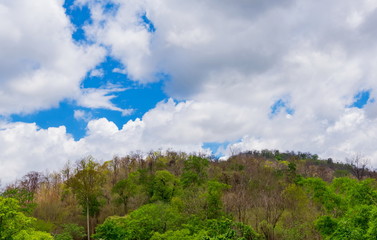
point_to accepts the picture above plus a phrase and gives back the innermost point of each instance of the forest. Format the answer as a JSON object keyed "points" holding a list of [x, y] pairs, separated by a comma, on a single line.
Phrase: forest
{"points": [[173, 195]]}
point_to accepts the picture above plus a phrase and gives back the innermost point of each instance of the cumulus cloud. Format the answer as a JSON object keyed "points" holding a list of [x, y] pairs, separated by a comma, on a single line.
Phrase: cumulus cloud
{"points": [[234, 62], [228, 65], [26, 147], [39, 63]]}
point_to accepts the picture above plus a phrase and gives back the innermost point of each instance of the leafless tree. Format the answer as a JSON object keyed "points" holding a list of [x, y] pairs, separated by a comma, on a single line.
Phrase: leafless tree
{"points": [[358, 166]]}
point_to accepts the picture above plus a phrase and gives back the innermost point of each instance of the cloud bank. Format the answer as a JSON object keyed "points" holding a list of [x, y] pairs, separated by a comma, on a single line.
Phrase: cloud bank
{"points": [[261, 74]]}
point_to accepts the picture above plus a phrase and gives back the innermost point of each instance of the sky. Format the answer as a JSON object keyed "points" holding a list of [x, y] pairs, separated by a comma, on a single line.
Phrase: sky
{"points": [[110, 77]]}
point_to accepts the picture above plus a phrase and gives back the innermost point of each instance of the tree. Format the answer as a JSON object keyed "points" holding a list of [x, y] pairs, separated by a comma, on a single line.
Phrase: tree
{"points": [[125, 189], [24, 197], [319, 191], [214, 204], [164, 187], [87, 184], [194, 171], [141, 224], [14, 225], [71, 232], [358, 166]]}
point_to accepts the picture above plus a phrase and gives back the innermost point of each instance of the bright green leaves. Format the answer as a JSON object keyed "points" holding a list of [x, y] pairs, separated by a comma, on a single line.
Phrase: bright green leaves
{"points": [[213, 229], [165, 185], [194, 171], [14, 225], [320, 192], [141, 223], [356, 192], [32, 235], [214, 204], [12, 220], [358, 223], [71, 232], [351, 205], [372, 230], [24, 197], [112, 229], [162, 221]]}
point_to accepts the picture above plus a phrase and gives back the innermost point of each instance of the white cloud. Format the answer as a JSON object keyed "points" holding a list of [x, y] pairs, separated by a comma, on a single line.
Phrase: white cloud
{"points": [[183, 127], [125, 35], [232, 62], [119, 70], [82, 115], [25, 147], [40, 65], [229, 63], [96, 73], [101, 98]]}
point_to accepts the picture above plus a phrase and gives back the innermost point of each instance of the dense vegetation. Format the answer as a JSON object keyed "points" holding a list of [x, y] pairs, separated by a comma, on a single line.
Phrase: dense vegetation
{"points": [[253, 195]]}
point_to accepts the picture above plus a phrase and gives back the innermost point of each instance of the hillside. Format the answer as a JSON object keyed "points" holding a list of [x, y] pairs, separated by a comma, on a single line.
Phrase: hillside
{"points": [[253, 195]]}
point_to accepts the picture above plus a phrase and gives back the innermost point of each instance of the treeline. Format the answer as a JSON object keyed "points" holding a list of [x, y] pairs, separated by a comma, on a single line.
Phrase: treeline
{"points": [[253, 195]]}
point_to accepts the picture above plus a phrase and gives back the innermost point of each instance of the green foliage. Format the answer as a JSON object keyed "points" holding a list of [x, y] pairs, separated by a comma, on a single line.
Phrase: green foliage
{"points": [[372, 230], [24, 197], [32, 235], [224, 228], [163, 222], [183, 234], [268, 189], [87, 184], [14, 225], [43, 226], [71, 232], [12, 220], [165, 185], [213, 229], [214, 207], [358, 218], [125, 189], [321, 193], [141, 223], [356, 192], [194, 171], [112, 229], [326, 225]]}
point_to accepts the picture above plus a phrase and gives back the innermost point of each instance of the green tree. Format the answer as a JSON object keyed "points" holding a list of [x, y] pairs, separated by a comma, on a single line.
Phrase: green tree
{"points": [[87, 184], [32, 235], [211, 229], [141, 224], [194, 171], [125, 189], [14, 225], [165, 185], [214, 204], [319, 191], [71, 232], [24, 197]]}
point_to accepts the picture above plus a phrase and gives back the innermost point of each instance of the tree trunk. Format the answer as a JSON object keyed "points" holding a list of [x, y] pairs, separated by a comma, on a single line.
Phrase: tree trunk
{"points": [[87, 218]]}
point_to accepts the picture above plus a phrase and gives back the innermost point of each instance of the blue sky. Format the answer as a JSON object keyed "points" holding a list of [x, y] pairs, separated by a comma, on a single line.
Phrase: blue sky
{"points": [[110, 77]]}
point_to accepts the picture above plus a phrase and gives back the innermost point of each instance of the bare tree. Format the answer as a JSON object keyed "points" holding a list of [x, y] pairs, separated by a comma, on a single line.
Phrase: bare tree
{"points": [[358, 166]]}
